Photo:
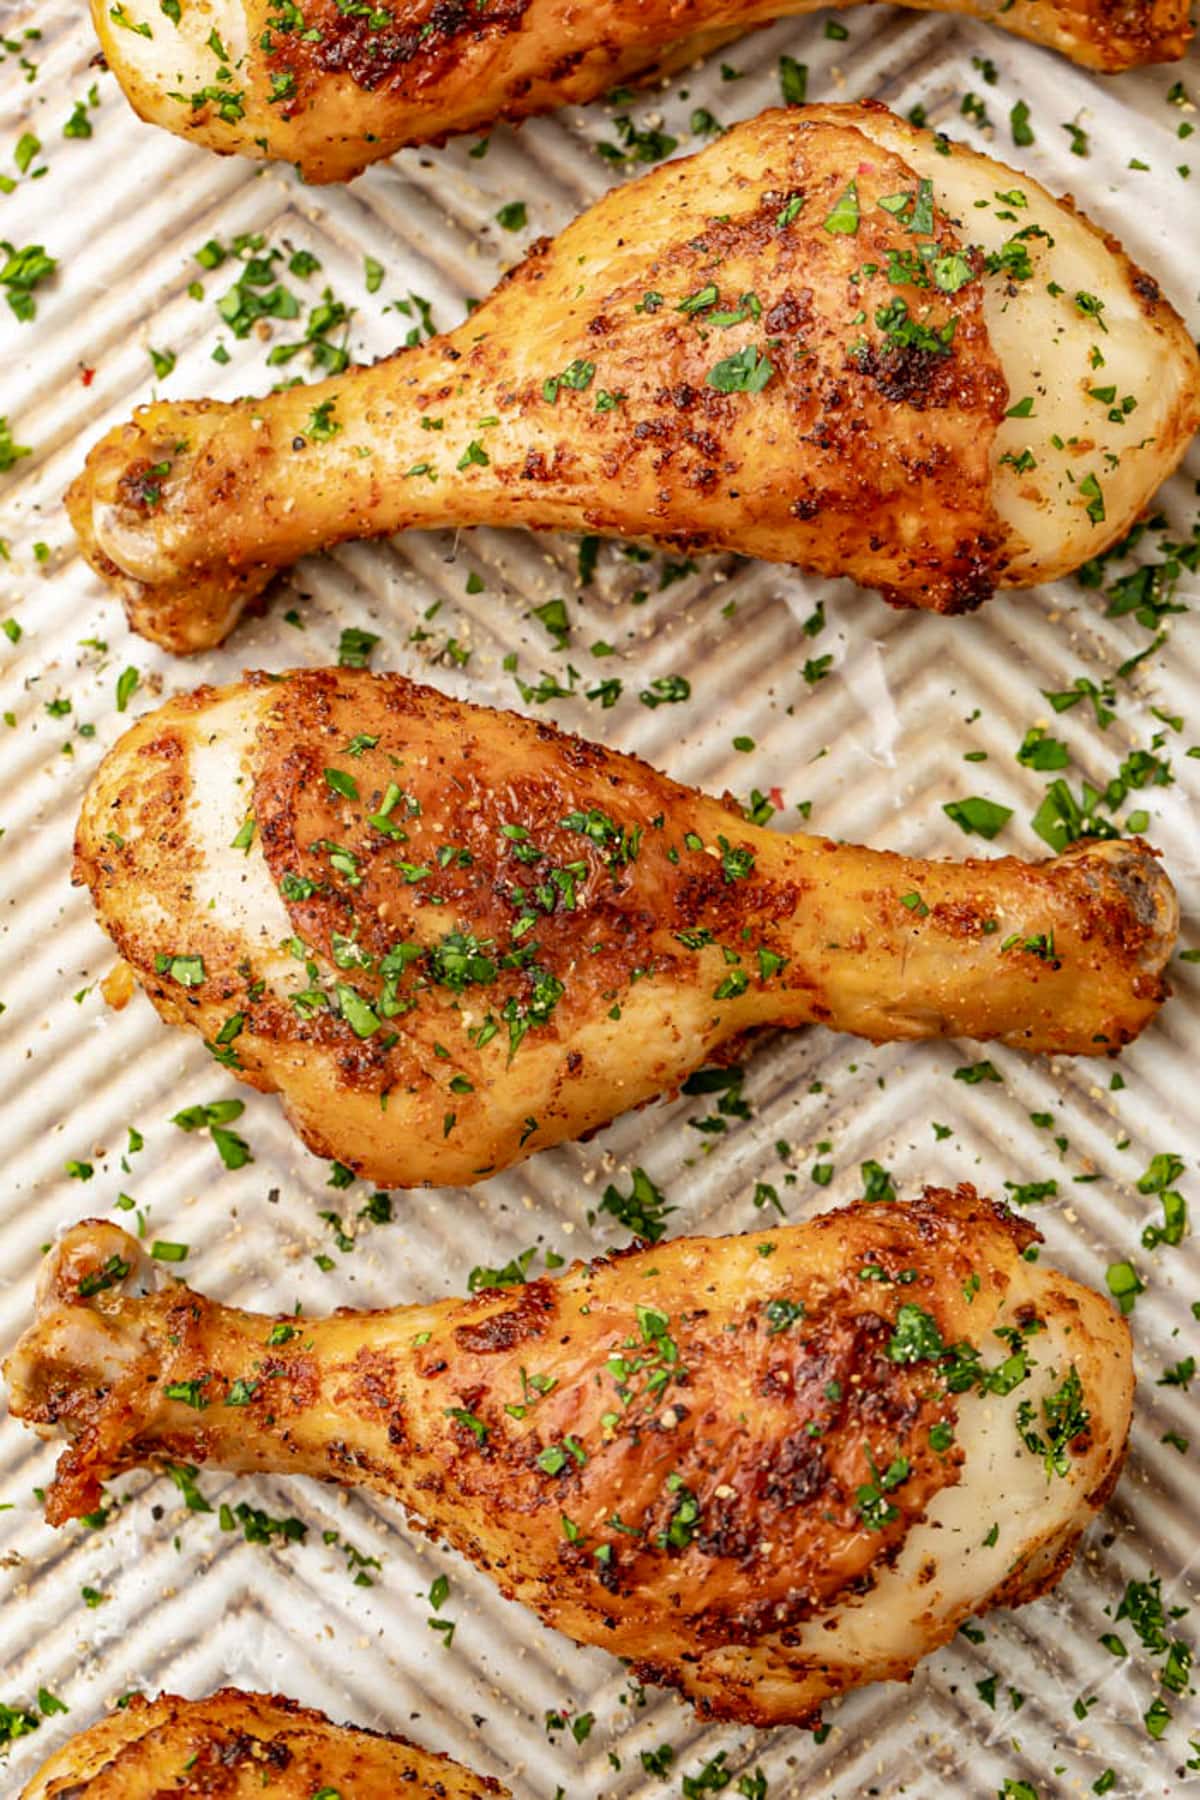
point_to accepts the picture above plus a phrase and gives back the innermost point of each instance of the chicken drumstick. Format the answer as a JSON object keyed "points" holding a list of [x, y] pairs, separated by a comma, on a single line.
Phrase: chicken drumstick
{"points": [[239, 1745], [334, 87], [765, 1469], [450, 936], [785, 346]]}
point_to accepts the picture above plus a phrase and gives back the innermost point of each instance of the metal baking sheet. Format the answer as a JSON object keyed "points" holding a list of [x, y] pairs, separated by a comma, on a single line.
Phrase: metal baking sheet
{"points": [[871, 750]]}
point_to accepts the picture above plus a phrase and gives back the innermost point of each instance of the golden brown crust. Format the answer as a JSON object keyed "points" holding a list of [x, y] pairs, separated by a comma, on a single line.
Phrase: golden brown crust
{"points": [[499, 936], [699, 1455], [231, 1745]]}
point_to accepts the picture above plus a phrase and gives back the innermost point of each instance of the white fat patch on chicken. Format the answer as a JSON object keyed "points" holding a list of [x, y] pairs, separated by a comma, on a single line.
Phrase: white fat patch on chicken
{"points": [[234, 886], [1055, 352], [947, 1569], [163, 64]]}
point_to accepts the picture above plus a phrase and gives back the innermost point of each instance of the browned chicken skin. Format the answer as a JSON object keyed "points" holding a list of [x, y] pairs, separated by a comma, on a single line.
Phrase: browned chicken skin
{"points": [[803, 344], [451, 936], [740, 1462], [239, 1746], [333, 88]]}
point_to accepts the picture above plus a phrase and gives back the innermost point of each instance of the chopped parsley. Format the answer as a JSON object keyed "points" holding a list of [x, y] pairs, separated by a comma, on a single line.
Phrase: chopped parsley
{"points": [[874, 1508], [642, 1211], [916, 1337], [782, 1314], [1064, 1418], [747, 371], [23, 271], [985, 818], [793, 81], [843, 217]]}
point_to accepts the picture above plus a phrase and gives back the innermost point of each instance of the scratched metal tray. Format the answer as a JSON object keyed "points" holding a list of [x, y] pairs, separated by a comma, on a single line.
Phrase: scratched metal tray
{"points": [[864, 724]]}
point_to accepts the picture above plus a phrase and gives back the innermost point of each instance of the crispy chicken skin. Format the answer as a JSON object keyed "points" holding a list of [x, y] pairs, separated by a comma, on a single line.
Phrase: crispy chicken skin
{"points": [[237, 1746], [333, 88], [450, 936], [802, 344], [765, 1469]]}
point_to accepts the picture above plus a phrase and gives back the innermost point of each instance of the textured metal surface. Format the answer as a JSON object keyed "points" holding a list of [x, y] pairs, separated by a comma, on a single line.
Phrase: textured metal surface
{"points": [[876, 747]]}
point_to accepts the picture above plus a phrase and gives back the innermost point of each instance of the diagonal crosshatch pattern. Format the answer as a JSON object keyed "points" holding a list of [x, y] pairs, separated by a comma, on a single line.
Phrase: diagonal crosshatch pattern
{"points": [[872, 749]]}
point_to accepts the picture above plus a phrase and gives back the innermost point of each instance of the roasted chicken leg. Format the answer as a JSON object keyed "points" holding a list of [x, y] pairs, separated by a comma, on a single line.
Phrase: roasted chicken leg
{"points": [[830, 339], [450, 936], [332, 87], [765, 1469], [241, 1746]]}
